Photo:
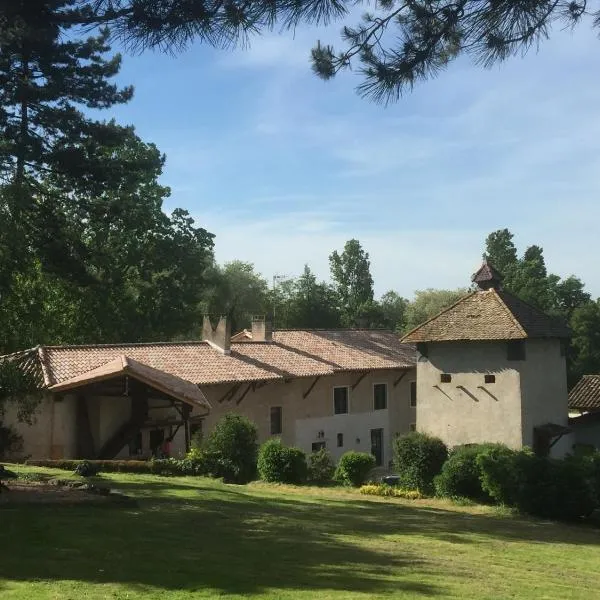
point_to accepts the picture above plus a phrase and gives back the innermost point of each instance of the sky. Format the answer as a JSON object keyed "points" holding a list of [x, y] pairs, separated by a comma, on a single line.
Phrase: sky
{"points": [[284, 168]]}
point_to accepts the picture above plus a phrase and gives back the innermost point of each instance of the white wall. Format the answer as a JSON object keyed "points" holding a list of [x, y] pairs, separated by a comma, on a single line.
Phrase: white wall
{"points": [[356, 429]]}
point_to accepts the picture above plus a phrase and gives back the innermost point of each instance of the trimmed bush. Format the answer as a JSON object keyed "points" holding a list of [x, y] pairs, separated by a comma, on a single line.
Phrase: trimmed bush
{"points": [[383, 489], [418, 458], [321, 467], [460, 476], [231, 449], [540, 486], [353, 468], [501, 470], [281, 464]]}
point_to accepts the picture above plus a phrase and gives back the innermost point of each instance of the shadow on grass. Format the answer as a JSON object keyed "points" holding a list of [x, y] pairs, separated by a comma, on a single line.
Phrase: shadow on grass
{"points": [[232, 540]]}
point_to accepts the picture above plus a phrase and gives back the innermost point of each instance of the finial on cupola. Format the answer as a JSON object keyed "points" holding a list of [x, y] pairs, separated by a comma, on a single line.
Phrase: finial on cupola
{"points": [[487, 277]]}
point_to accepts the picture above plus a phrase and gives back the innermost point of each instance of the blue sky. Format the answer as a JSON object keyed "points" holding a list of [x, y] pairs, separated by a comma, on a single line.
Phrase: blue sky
{"points": [[284, 167]]}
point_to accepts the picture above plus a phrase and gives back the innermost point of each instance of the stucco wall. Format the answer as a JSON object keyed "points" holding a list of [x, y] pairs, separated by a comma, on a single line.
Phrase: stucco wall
{"points": [[52, 433], [304, 418], [544, 390], [467, 410]]}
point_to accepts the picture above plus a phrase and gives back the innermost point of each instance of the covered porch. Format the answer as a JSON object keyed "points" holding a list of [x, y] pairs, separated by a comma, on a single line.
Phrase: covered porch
{"points": [[125, 409]]}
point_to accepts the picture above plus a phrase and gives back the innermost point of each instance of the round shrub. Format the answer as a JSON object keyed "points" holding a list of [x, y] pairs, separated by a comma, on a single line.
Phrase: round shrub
{"points": [[354, 467], [460, 476], [418, 458], [321, 467], [87, 469], [281, 464], [231, 449], [501, 470]]}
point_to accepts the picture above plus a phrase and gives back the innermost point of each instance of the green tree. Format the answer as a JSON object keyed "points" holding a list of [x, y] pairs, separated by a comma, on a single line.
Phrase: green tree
{"points": [[393, 309], [428, 303], [305, 303], [585, 345], [351, 273], [237, 291], [501, 252], [139, 273]]}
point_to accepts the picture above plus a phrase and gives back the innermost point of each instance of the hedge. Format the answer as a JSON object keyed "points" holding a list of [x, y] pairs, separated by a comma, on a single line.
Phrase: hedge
{"points": [[169, 466], [354, 468], [281, 464], [418, 458], [460, 476]]}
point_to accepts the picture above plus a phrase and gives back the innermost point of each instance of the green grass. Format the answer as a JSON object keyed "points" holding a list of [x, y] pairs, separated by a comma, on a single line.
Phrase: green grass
{"points": [[197, 538]]}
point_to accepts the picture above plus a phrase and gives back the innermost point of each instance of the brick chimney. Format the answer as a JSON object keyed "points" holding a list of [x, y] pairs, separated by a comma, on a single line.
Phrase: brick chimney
{"points": [[262, 329], [219, 335]]}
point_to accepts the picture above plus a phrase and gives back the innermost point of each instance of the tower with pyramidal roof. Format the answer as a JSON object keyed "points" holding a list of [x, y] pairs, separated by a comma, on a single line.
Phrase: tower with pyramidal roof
{"points": [[491, 368]]}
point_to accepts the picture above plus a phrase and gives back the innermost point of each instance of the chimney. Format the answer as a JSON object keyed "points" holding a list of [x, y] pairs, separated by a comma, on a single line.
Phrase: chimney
{"points": [[219, 335], [262, 329]]}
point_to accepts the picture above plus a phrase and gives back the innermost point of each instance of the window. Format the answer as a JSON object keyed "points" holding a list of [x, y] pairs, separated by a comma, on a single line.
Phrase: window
{"points": [[490, 379], [276, 422], [380, 396], [316, 446], [413, 393], [515, 350], [340, 440], [340, 400], [445, 378], [412, 427]]}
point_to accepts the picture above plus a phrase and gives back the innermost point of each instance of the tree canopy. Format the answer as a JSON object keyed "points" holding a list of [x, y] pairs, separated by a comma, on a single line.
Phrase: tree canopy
{"points": [[395, 44]]}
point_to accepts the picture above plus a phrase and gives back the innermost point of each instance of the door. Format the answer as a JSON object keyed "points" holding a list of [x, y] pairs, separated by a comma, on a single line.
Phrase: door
{"points": [[377, 445]]}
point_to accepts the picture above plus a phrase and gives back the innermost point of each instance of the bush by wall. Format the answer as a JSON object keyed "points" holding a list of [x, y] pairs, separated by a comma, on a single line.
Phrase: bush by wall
{"points": [[231, 449], [383, 489], [460, 476], [543, 487], [353, 468], [281, 464], [418, 458], [321, 467]]}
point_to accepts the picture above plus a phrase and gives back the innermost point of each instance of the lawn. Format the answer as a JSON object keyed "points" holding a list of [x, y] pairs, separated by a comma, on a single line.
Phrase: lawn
{"points": [[198, 538]]}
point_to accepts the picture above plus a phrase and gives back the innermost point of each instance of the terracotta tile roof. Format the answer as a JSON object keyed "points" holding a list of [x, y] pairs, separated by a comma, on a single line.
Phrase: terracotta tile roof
{"points": [[175, 387], [488, 315], [487, 275], [586, 394], [307, 353]]}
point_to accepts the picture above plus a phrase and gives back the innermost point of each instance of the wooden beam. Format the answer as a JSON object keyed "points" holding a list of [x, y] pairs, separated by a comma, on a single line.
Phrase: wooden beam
{"points": [[239, 400], [400, 378], [230, 393], [310, 389], [360, 379]]}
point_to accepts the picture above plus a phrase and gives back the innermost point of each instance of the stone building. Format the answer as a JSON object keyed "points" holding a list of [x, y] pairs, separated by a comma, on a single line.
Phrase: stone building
{"points": [[341, 389], [491, 368]]}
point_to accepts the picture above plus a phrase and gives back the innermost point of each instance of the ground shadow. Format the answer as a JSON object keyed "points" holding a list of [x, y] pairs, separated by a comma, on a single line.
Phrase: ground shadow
{"points": [[233, 540]]}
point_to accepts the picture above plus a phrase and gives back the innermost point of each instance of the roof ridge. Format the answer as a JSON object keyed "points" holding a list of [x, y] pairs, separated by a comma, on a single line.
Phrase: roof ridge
{"points": [[500, 300], [445, 310], [119, 345]]}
